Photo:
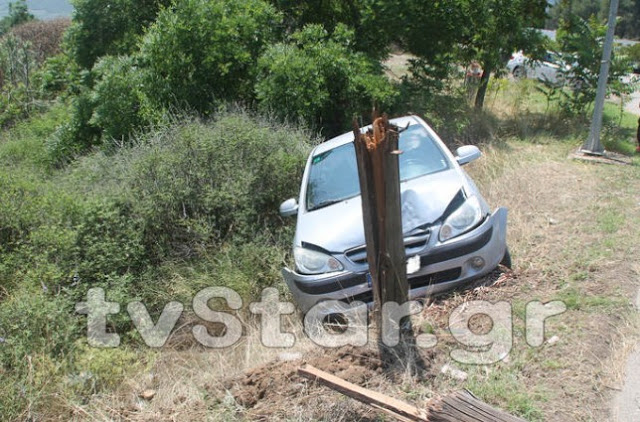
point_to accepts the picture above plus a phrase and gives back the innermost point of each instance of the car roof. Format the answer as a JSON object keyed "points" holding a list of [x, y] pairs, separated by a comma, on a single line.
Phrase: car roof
{"points": [[345, 138]]}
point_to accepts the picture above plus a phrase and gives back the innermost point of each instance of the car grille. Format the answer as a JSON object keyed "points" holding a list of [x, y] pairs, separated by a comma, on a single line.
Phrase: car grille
{"points": [[412, 244], [414, 283]]}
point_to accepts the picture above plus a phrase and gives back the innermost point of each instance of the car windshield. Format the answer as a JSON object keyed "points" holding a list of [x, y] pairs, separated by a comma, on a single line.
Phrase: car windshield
{"points": [[333, 176]]}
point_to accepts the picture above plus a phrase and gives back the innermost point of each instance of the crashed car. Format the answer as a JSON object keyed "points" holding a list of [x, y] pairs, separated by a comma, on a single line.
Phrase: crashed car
{"points": [[446, 223]]}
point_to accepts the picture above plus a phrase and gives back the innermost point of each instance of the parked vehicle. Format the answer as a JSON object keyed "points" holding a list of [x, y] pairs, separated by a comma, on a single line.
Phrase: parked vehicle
{"points": [[446, 222], [551, 68]]}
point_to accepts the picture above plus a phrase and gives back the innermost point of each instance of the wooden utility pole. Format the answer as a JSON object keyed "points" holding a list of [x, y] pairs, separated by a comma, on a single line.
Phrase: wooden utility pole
{"points": [[377, 157]]}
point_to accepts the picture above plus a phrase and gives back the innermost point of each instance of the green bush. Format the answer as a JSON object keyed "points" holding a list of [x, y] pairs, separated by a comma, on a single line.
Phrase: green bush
{"points": [[582, 43], [200, 53], [35, 322], [320, 80], [117, 97], [77, 135], [191, 205], [112, 28], [195, 185]]}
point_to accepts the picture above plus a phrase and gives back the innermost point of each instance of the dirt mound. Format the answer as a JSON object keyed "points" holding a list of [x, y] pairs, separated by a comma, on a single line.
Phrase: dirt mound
{"points": [[279, 379], [277, 384]]}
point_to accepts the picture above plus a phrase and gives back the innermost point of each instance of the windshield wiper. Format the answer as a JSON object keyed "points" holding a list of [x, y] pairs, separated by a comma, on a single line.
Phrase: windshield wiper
{"points": [[326, 204]]}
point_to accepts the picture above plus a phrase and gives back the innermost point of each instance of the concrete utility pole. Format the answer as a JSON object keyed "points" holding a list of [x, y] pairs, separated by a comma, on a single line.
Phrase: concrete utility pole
{"points": [[592, 145]]}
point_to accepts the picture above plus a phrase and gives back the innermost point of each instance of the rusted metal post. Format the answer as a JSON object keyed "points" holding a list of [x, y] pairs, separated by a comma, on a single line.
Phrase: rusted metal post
{"points": [[377, 157]]}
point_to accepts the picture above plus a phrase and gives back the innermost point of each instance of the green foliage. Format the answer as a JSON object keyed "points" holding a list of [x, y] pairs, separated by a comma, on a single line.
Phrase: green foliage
{"points": [[320, 80], [34, 322], [628, 14], [18, 14], [496, 28], [117, 97], [444, 34], [109, 27], [368, 18], [96, 370], [633, 52], [17, 64], [132, 222], [77, 135], [201, 53], [581, 42], [22, 51], [59, 76], [196, 185]]}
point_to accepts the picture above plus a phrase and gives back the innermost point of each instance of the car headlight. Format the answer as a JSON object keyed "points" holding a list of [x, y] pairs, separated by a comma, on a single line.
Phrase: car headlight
{"points": [[314, 262], [462, 220]]}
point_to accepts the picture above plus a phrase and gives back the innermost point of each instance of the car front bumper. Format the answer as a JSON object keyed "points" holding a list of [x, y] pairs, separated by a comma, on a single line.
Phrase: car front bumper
{"points": [[443, 266]]}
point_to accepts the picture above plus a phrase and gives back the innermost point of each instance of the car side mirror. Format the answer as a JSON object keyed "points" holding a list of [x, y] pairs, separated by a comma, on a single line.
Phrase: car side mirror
{"points": [[467, 153], [289, 207]]}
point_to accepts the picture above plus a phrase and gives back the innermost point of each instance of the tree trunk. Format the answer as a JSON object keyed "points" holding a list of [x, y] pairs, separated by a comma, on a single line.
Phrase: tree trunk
{"points": [[482, 89]]}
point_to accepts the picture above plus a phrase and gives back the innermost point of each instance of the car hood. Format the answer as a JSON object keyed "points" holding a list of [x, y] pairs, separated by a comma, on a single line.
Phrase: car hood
{"points": [[339, 227]]}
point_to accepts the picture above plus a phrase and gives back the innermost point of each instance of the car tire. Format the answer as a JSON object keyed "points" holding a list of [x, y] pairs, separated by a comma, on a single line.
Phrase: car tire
{"points": [[518, 72], [506, 259]]}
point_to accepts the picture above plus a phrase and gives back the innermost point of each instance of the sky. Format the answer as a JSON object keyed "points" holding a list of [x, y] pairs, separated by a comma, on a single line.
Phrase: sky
{"points": [[42, 9]]}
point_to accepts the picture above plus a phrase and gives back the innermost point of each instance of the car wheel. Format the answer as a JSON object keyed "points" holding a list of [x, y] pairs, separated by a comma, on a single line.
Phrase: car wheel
{"points": [[518, 72], [506, 259]]}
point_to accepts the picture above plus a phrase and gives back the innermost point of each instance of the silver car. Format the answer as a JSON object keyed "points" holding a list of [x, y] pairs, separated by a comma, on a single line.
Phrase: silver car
{"points": [[448, 227]]}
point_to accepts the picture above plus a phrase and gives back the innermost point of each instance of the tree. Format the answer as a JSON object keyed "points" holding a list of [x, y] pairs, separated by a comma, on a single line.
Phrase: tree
{"points": [[581, 42], [442, 33], [628, 14], [201, 53], [109, 27], [496, 29], [18, 14], [319, 79], [374, 22]]}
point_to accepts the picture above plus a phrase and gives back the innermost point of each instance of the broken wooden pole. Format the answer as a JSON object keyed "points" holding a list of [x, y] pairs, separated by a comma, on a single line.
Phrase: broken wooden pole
{"points": [[460, 406], [379, 174]]}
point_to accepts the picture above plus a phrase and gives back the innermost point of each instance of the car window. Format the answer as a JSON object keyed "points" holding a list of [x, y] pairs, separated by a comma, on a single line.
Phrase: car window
{"points": [[333, 175]]}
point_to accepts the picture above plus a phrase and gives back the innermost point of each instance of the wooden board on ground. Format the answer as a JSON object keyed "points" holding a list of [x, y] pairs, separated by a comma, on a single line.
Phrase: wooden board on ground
{"points": [[457, 407]]}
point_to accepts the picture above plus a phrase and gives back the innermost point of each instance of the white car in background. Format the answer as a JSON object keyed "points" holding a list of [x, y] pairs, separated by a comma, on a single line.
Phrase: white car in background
{"points": [[551, 68]]}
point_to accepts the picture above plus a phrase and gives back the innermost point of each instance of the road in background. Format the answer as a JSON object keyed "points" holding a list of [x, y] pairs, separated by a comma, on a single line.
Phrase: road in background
{"points": [[627, 403]]}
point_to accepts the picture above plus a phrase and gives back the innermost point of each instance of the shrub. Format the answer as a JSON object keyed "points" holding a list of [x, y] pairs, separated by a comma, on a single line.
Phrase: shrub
{"points": [[34, 323], [196, 185], [582, 44], [320, 80], [117, 97], [200, 53], [131, 221], [77, 135], [111, 28], [44, 37]]}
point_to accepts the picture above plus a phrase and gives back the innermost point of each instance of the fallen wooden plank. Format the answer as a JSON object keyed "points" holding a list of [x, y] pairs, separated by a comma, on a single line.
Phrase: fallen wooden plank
{"points": [[393, 406], [460, 406]]}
